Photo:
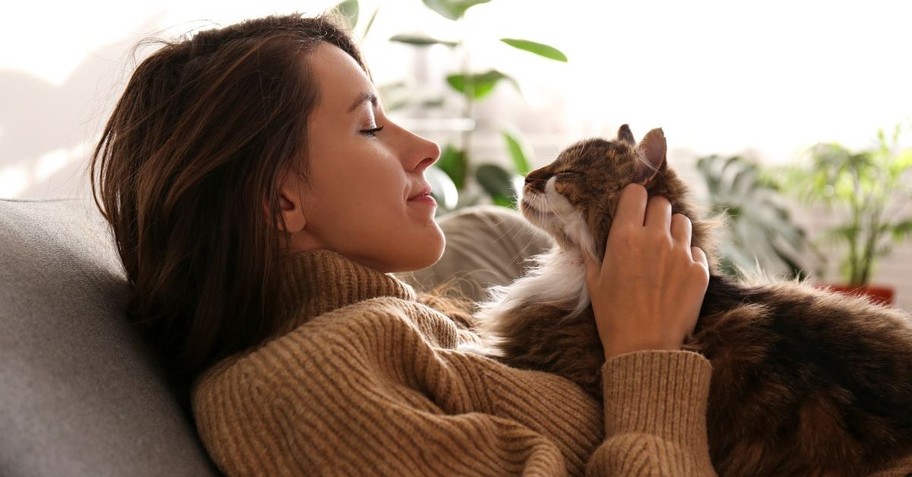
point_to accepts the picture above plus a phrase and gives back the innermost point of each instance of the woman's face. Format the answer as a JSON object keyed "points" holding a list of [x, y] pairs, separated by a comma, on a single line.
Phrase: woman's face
{"points": [[366, 196]]}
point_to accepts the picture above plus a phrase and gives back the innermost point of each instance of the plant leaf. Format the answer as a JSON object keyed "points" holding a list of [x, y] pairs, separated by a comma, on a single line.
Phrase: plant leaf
{"points": [[421, 40], [517, 153], [705, 167], [497, 182], [442, 188], [370, 23], [478, 85], [350, 10], [453, 161], [902, 163], [745, 180], [902, 230], [539, 49], [452, 9], [760, 231]]}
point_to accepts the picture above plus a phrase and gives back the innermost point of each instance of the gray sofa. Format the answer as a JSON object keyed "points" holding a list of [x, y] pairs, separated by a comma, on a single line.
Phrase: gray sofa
{"points": [[79, 394]]}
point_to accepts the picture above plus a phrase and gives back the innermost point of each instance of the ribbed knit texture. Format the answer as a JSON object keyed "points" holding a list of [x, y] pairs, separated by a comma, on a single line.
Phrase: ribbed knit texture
{"points": [[368, 381]]}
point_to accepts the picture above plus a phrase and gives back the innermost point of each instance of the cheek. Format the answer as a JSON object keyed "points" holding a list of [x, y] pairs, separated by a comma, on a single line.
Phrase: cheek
{"points": [[556, 195], [579, 196], [568, 191], [363, 178]]}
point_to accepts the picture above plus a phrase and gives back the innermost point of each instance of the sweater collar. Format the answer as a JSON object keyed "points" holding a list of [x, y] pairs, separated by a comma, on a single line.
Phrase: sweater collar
{"points": [[320, 281]]}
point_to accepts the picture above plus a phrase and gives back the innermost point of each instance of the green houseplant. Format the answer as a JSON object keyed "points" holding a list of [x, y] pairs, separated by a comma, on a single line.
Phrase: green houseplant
{"points": [[868, 190], [759, 233]]}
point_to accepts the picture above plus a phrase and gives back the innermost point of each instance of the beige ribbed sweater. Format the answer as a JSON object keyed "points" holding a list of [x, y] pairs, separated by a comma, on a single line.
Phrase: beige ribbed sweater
{"points": [[368, 381]]}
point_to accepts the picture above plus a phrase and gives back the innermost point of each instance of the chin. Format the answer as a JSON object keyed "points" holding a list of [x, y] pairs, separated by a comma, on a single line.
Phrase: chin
{"points": [[430, 254], [417, 253]]}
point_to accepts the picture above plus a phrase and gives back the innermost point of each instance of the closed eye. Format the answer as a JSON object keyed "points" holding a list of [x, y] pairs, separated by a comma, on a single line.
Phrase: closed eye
{"points": [[372, 132]]}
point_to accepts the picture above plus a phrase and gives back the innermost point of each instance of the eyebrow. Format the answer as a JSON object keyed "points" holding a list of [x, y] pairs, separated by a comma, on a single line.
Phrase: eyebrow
{"points": [[366, 96]]}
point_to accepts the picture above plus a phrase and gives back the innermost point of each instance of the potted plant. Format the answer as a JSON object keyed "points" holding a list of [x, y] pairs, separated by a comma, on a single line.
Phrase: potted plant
{"points": [[867, 190], [759, 235]]}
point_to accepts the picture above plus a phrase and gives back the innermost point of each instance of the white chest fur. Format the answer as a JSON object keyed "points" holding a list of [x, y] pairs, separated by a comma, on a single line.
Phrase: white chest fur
{"points": [[558, 277]]}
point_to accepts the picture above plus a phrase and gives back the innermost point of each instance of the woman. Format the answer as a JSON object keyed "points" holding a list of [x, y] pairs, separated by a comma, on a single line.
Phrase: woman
{"points": [[260, 199]]}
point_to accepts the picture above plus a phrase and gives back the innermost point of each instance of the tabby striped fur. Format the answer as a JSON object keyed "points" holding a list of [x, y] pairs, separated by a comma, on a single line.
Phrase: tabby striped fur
{"points": [[805, 381]]}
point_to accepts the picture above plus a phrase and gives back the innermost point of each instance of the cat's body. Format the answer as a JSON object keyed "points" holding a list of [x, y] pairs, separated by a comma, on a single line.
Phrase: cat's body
{"points": [[805, 382]]}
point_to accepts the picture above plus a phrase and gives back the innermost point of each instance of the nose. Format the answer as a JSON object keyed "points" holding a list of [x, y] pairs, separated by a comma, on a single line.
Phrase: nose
{"points": [[419, 153], [535, 183]]}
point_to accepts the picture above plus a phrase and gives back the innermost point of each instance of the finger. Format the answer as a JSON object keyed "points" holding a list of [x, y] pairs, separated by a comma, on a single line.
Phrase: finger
{"points": [[631, 207], [681, 229], [658, 213], [699, 256]]}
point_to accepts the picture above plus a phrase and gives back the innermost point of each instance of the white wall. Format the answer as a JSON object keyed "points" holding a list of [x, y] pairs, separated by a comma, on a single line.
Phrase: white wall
{"points": [[763, 78]]}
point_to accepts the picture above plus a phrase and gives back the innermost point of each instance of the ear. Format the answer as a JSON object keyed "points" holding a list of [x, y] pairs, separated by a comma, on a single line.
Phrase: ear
{"points": [[291, 206], [652, 154], [625, 135]]}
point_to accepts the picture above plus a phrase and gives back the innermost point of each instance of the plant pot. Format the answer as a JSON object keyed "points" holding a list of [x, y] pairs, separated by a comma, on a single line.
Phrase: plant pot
{"points": [[878, 294]]}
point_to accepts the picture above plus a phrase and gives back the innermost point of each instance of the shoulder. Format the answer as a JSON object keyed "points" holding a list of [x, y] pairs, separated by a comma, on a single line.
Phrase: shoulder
{"points": [[316, 366], [370, 356], [260, 407], [339, 342]]}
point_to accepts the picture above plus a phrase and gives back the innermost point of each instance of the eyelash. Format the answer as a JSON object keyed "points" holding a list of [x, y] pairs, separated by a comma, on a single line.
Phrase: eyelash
{"points": [[372, 132]]}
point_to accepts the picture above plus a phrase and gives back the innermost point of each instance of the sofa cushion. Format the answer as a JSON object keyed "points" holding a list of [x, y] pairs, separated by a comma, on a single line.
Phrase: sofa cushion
{"points": [[485, 246], [79, 395]]}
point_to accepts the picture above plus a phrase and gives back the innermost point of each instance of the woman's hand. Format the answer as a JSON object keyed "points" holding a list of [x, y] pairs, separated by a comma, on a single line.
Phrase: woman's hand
{"points": [[647, 292]]}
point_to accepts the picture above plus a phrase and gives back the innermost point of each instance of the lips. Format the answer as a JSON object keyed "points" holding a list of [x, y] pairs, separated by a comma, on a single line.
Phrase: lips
{"points": [[424, 191]]}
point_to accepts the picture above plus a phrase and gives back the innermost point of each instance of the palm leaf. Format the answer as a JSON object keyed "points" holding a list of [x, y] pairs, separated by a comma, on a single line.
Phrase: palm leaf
{"points": [[760, 229]]}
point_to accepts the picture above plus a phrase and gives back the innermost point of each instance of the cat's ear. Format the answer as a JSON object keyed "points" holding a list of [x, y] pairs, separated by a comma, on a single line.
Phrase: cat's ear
{"points": [[625, 135], [652, 154]]}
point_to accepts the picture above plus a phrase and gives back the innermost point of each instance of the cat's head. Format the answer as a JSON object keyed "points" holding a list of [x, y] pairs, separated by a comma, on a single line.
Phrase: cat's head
{"points": [[574, 197]]}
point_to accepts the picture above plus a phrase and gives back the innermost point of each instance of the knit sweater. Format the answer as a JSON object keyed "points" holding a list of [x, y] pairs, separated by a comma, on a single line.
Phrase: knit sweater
{"points": [[369, 381]]}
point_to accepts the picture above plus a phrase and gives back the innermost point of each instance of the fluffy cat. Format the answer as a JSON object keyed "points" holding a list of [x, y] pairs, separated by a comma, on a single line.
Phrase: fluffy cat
{"points": [[805, 382]]}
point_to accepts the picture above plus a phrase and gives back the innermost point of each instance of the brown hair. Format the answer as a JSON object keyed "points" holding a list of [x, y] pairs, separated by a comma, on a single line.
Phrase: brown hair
{"points": [[186, 173]]}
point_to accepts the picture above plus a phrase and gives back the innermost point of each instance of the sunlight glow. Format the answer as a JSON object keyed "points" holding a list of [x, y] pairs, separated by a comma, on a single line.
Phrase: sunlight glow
{"points": [[721, 77]]}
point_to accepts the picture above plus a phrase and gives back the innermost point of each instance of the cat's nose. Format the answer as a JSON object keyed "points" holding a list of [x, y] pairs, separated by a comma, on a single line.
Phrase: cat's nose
{"points": [[535, 183]]}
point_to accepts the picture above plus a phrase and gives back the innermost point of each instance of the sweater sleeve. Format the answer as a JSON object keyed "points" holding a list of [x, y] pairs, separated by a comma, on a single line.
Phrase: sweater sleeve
{"points": [[655, 416]]}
